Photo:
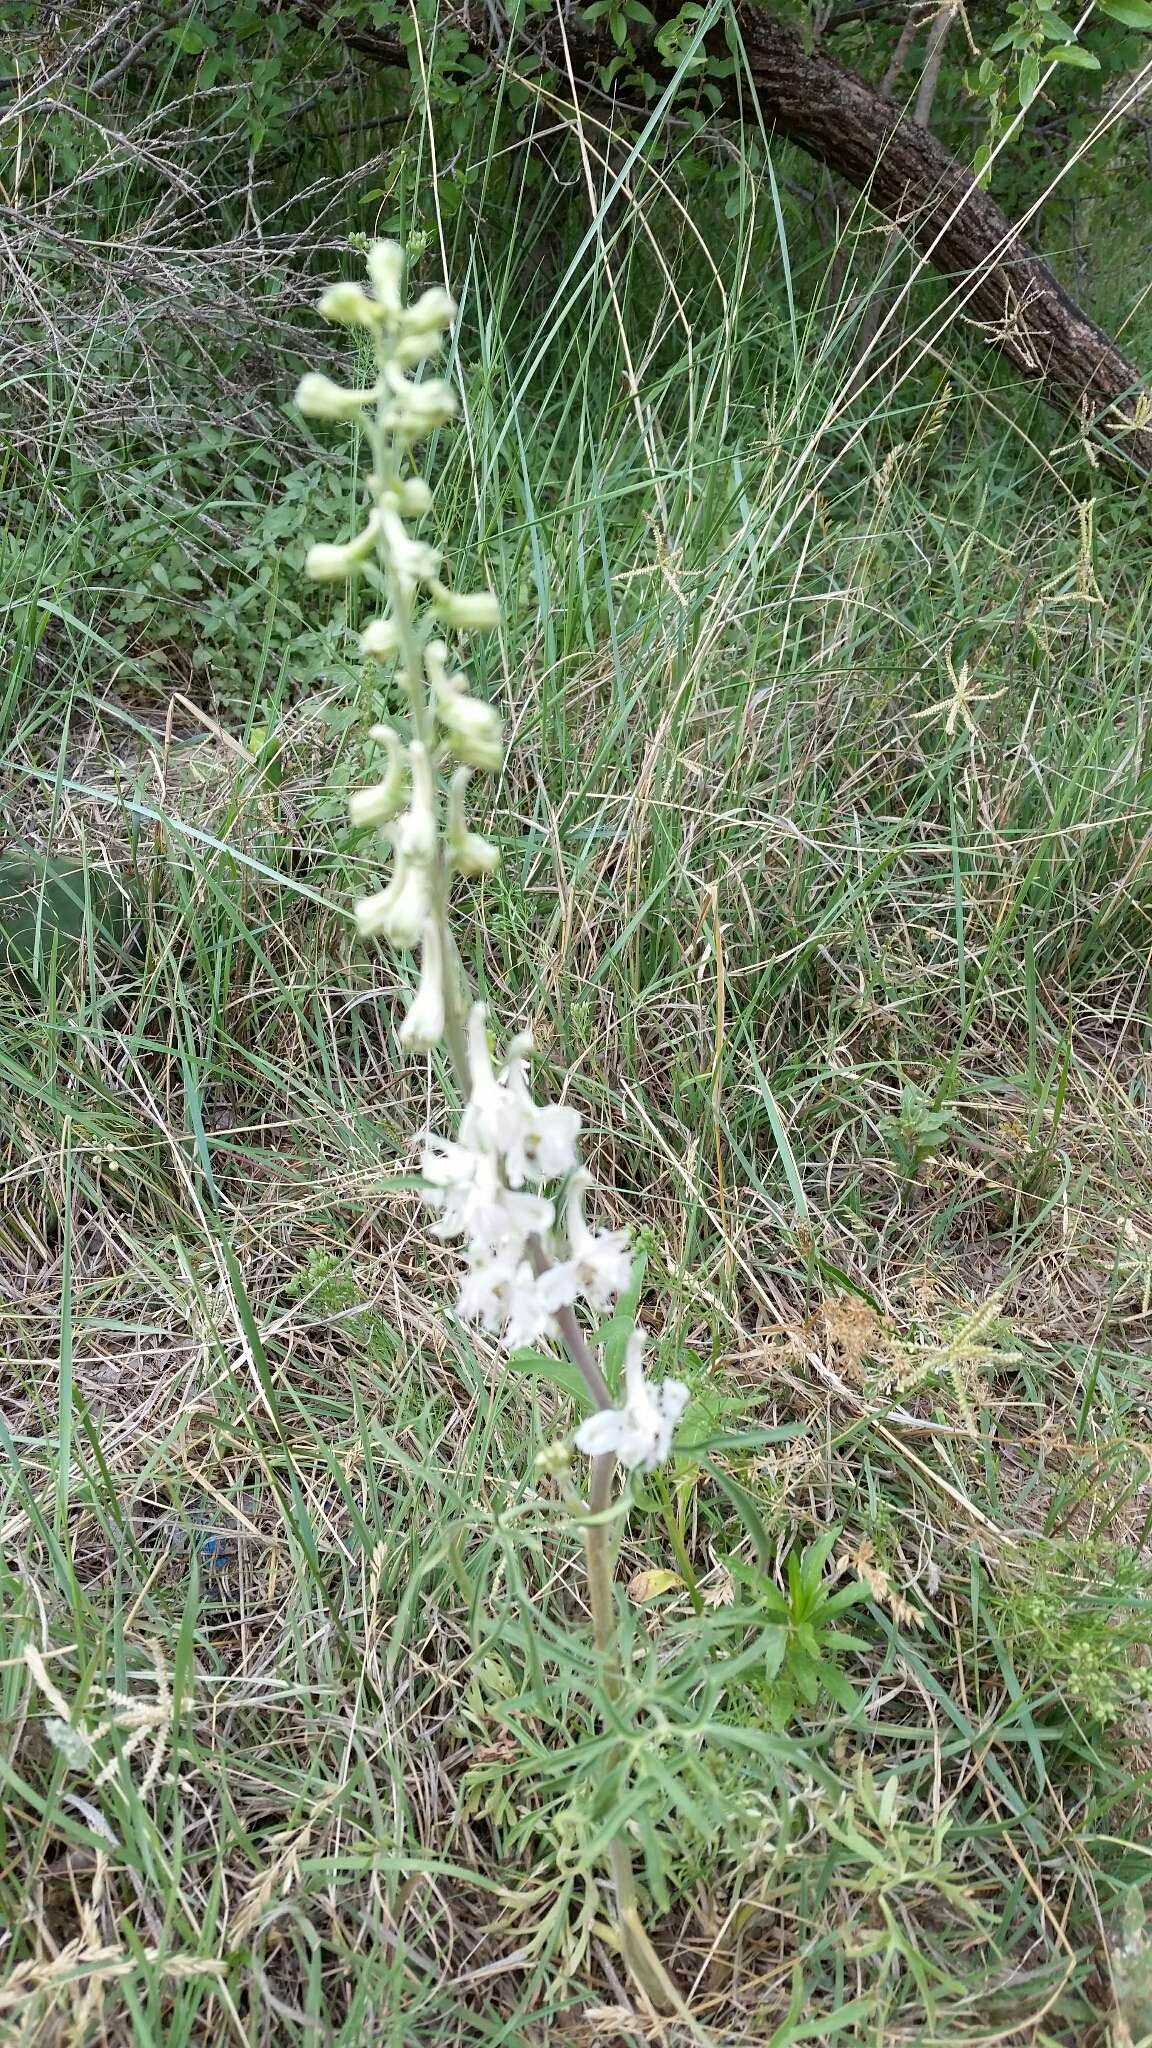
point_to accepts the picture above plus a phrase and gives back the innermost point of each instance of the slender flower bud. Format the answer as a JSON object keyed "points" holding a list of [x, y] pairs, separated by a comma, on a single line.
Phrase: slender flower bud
{"points": [[376, 806], [418, 834], [348, 305], [423, 1027], [319, 398], [386, 271], [380, 640], [469, 852], [474, 611]]}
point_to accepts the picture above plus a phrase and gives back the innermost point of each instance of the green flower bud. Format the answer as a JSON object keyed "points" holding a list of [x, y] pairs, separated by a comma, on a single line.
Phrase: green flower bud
{"points": [[473, 611], [318, 398], [348, 305]]}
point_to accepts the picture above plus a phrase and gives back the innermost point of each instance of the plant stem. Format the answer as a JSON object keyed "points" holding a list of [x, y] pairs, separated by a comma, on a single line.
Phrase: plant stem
{"points": [[644, 1964]]}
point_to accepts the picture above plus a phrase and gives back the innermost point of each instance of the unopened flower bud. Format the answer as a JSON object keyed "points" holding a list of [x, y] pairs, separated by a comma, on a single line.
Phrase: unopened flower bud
{"points": [[423, 1027], [433, 310], [412, 560], [386, 272], [414, 497], [473, 611], [318, 398], [417, 408], [330, 562], [348, 305], [553, 1460], [376, 806], [413, 349], [380, 640], [473, 729], [469, 852], [418, 832]]}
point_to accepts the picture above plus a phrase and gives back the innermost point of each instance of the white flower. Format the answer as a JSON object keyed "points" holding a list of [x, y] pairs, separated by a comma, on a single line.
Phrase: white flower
{"points": [[485, 1291], [415, 497], [413, 349], [399, 912], [318, 398], [601, 1259], [331, 562], [540, 1140], [473, 730], [641, 1431], [434, 310], [529, 1312], [423, 1027], [464, 1184], [502, 1293], [417, 833], [417, 408]]}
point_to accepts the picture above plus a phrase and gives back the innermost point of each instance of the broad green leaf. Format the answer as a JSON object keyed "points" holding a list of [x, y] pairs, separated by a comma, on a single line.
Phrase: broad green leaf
{"points": [[53, 907], [1029, 78], [1133, 13], [1071, 53]]}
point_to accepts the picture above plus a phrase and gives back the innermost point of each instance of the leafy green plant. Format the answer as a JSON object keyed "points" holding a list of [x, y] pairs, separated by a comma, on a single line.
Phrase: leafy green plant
{"points": [[797, 1634], [919, 1131]]}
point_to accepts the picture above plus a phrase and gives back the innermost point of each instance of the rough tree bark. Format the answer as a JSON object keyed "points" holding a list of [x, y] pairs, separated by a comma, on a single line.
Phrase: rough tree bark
{"points": [[998, 280]]}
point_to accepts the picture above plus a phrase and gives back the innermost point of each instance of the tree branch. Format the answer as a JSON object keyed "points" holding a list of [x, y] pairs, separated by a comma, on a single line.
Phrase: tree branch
{"points": [[998, 281]]}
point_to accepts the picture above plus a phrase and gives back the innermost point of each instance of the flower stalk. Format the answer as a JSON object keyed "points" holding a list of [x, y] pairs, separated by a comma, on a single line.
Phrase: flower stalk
{"points": [[510, 1186]]}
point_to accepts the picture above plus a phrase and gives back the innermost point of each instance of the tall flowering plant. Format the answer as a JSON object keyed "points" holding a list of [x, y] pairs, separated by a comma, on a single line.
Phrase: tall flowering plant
{"points": [[509, 1186]]}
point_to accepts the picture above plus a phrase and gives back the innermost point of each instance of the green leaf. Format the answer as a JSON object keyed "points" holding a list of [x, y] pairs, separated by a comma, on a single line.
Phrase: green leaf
{"points": [[1029, 78], [55, 908], [1071, 53], [775, 1643], [747, 1510], [555, 1372], [1133, 13]]}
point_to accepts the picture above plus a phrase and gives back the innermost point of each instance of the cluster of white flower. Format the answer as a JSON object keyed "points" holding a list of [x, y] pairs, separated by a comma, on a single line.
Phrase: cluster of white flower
{"points": [[486, 1185]]}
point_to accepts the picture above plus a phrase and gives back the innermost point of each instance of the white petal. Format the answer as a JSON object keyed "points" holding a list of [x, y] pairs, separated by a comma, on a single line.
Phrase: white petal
{"points": [[600, 1432]]}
